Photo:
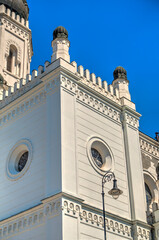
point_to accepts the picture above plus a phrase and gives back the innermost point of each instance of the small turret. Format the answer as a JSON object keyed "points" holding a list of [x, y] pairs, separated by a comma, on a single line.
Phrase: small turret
{"points": [[121, 83], [60, 44]]}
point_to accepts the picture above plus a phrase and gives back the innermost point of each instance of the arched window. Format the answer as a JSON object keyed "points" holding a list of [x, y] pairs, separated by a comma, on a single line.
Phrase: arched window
{"points": [[13, 65]]}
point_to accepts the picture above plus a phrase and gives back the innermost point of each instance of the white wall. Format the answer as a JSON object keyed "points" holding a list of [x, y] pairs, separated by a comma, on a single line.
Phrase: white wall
{"points": [[89, 123]]}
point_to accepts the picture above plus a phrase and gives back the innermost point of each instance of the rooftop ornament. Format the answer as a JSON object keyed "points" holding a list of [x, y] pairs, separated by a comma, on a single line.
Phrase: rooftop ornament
{"points": [[157, 136], [60, 32], [120, 73]]}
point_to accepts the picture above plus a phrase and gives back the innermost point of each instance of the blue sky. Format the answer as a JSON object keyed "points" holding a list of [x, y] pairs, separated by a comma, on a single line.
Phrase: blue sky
{"points": [[105, 34]]}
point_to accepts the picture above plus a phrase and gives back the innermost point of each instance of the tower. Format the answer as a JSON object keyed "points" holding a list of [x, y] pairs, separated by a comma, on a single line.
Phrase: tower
{"points": [[15, 41]]}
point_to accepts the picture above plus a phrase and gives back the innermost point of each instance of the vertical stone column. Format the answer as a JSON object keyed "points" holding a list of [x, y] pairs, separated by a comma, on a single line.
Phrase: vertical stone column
{"points": [[134, 164]]}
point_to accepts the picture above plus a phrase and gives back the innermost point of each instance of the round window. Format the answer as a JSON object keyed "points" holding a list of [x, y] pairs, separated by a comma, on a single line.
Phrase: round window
{"points": [[19, 159], [99, 155], [22, 160]]}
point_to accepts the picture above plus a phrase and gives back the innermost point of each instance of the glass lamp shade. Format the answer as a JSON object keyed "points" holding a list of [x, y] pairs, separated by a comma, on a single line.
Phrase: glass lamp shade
{"points": [[115, 192]]}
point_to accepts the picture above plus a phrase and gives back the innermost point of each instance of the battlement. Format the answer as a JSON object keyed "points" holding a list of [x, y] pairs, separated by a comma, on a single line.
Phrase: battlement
{"points": [[16, 17], [87, 80], [19, 88], [96, 83]]}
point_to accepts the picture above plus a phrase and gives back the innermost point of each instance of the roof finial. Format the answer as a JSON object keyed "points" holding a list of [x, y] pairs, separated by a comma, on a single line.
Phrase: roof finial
{"points": [[157, 136]]}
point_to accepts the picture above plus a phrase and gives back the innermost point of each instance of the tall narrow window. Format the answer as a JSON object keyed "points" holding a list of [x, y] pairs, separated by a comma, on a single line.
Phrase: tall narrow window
{"points": [[9, 61], [13, 65]]}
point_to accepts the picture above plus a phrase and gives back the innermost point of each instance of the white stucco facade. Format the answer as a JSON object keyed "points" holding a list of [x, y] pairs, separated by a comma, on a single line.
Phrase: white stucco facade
{"points": [[57, 114]]}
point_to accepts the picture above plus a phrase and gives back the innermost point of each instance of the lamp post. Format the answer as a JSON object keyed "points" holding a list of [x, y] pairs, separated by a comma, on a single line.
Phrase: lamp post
{"points": [[115, 192]]}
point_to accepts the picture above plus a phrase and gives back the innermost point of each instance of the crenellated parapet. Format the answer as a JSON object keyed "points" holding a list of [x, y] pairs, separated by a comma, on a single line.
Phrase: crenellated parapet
{"points": [[20, 87], [95, 83], [82, 77], [13, 15], [110, 91]]}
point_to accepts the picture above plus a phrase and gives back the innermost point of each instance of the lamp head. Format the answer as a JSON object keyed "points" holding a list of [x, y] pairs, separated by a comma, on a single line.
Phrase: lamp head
{"points": [[115, 192]]}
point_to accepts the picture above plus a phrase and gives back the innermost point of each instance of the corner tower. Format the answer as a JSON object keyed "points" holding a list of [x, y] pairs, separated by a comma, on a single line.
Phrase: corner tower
{"points": [[15, 41]]}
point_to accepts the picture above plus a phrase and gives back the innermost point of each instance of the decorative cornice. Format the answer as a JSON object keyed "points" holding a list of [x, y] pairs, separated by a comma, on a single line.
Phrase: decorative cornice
{"points": [[15, 28], [30, 219], [92, 218], [25, 87], [142, 233], [130, 119], [86, 98], [149, 147], [58, 204], [96, 87], [23, 107]]}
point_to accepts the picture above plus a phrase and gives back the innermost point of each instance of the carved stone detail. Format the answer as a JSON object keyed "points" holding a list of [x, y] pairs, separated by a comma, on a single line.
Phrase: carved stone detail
{"points": [[149, 148], [31, 220], [95, 219], [23, 107]]}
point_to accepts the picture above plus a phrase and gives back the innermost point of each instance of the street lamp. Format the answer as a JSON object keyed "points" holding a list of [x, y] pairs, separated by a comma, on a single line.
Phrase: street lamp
{"points": [[115, 192]]}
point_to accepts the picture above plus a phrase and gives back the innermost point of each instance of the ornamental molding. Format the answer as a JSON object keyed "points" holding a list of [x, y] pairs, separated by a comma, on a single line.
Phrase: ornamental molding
{"points": [[33, 101], [55, 206], [23, 88], [87, 99], [98, 105], [142, 233], [131, 120], [91, 218], [100, 90], [68, 84], [30, 219], [149, 148], [22, 108], [19, 31], [16, 29]]}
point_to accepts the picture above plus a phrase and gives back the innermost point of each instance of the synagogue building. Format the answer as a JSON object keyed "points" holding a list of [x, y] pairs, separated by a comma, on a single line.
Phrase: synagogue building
{"points": [[62, 131]]}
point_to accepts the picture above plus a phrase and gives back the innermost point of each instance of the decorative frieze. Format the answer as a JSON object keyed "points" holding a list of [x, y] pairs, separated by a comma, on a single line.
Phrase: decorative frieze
{"points": [[95, 83], [15, 29], [25, 106], [97, 105], [149, 148], [30, 219], [20, 88], [68, 84], [142, 233], [96, 219], [88, 99], [130, 120]]}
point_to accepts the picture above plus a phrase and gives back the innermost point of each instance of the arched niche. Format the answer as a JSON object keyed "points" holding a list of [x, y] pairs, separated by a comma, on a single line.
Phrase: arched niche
{"points": [[151, 183]]}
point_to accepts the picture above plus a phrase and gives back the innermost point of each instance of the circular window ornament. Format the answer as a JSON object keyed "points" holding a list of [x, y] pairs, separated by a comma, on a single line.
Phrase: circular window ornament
{"points": [[100, 155], [19, 159]]}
